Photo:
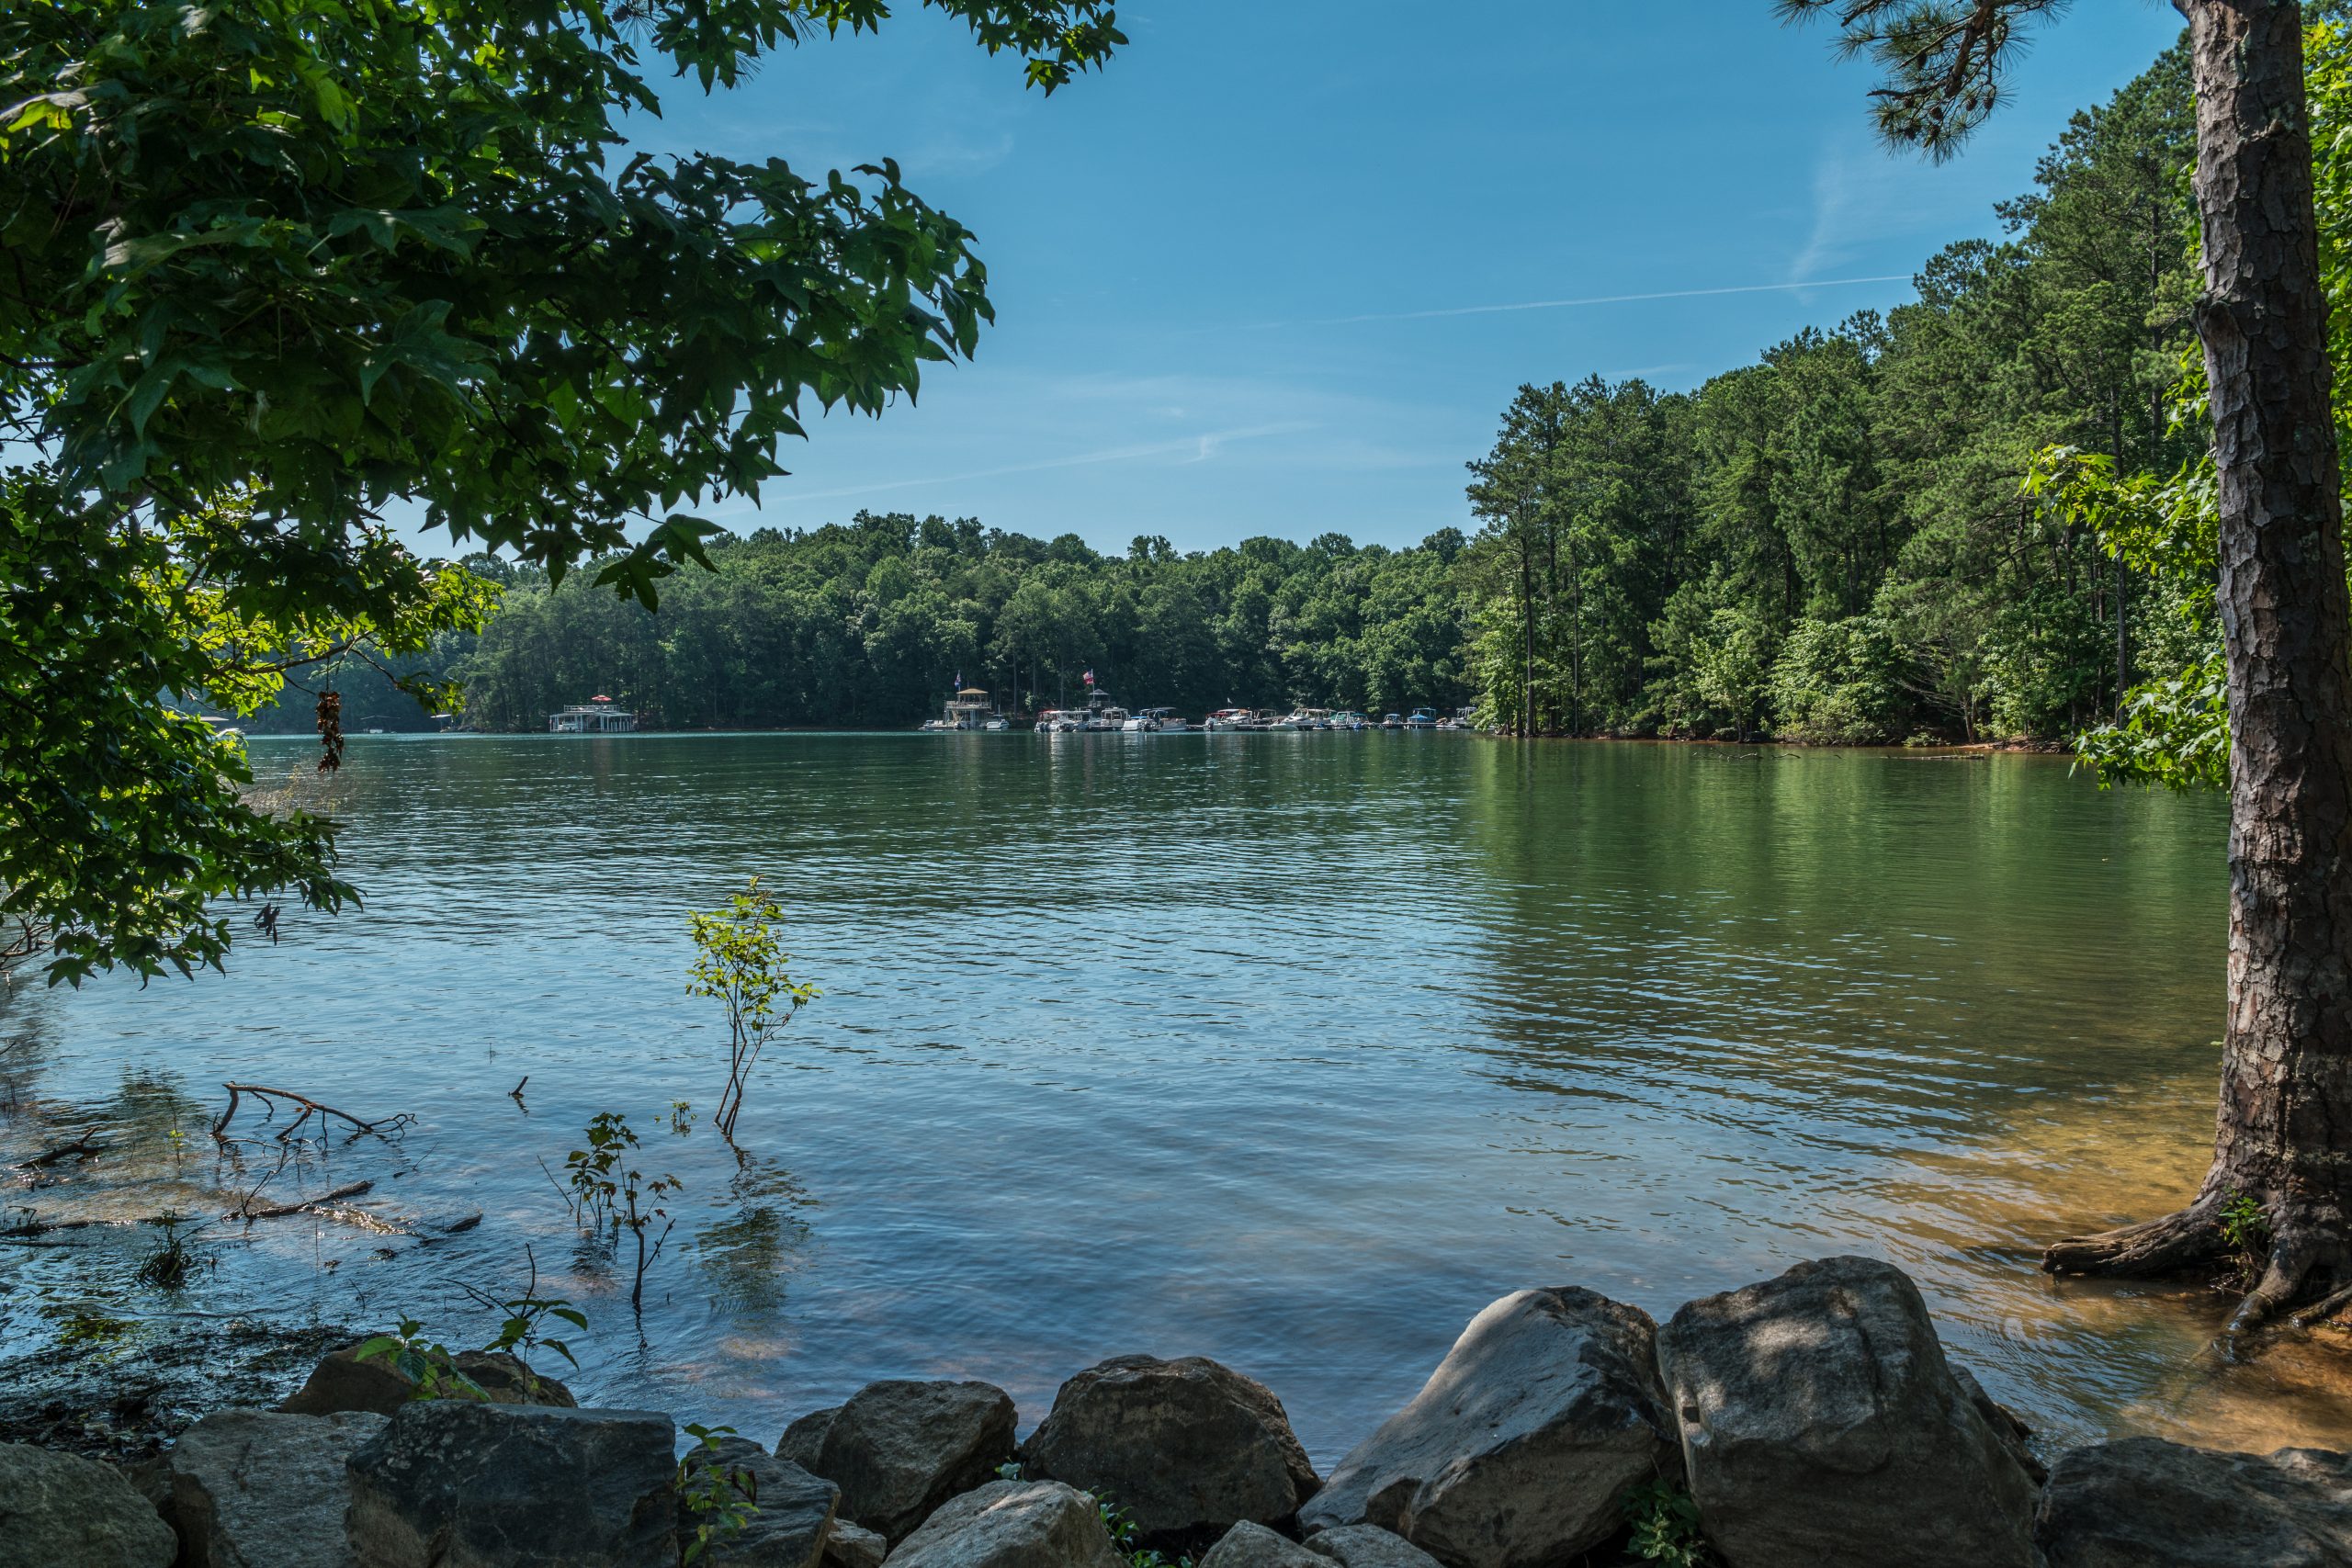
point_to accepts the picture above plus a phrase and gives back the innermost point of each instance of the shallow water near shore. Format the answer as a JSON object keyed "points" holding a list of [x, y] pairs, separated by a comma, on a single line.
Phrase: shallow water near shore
{"points": [[1291, 1050]]}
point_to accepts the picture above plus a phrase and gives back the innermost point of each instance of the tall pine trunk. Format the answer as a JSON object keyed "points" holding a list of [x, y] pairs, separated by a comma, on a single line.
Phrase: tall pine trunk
{"points": [[2284, 1140]]}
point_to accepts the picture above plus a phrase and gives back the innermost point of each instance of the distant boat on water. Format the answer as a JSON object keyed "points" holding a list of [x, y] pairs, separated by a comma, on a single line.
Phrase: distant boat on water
{"points": [[968, 709]]}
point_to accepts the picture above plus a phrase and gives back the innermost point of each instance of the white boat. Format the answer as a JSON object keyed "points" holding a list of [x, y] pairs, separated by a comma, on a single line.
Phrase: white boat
{"points": [[1155, 721], [1171, 722], [1349, 720], [968, 709], [1230, 718], [1060, 721], [1304, 718], [1391, 721], [1140, 724]]}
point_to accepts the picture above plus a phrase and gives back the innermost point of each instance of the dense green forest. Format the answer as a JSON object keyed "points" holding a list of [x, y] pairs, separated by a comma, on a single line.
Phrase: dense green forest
{"points": [[1833, 544]]}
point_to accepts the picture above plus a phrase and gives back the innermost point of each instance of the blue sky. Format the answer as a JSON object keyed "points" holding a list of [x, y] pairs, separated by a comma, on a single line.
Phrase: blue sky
{"points": [[1258, 276]]}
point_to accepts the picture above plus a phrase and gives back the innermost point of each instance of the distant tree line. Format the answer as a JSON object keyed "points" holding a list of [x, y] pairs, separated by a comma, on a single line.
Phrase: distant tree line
{"points": [[869, 622], [1833, 545]]}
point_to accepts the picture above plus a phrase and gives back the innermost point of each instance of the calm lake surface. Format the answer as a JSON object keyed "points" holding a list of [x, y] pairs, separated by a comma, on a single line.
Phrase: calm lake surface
{"points": [[1291, 1050]]}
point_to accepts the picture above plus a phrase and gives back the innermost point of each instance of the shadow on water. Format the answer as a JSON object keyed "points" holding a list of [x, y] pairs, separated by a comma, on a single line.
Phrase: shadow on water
{"points": [[1291, 1050], [1850, 1001]]}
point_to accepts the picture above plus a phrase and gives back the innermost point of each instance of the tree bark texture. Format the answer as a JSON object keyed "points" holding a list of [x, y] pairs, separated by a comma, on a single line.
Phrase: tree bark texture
{"points": [[2284, 1137]]}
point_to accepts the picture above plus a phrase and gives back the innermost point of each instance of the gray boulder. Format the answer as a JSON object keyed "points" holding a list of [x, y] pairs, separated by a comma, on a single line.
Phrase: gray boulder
{"points": [[1521, 1448], [854, 1546], [1248, 1545], [59, 1509], [1821, 1422], [898, 1450], [795, 1510], [462, 1485], [343, 1382], [2006, 1424], [2143, 1503], [804, 1440], [1011, 1524], [1368, 1546], [1186, 1449], [257, 1489]]}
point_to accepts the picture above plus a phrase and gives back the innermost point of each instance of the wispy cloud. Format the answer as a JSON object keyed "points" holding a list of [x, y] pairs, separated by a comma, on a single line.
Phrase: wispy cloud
{"points": [[1195, 448], [1833, 194], [1587, 299]]}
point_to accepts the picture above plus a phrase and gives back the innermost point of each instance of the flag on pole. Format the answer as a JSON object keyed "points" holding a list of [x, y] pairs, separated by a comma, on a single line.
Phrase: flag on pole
{"points": [[1090, 677]]}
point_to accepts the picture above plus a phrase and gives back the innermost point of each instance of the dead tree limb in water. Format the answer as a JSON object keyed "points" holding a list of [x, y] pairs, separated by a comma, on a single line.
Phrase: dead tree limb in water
{"points": [[306, 1206], [269, 1098], [81, 1145]]}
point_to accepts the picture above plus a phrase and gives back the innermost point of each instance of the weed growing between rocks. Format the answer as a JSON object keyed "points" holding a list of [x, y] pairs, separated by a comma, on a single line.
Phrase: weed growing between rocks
{"points": [[717, 1497], [1123, 1538], [428, 1365], [1665, 1520], [432, 1367]]}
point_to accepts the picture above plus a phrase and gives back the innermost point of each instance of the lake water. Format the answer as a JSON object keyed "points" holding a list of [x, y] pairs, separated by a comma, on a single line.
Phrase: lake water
{"points": [[1291, 1050]]}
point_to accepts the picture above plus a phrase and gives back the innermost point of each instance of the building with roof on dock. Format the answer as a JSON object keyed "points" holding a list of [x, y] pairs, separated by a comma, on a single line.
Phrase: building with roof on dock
{"points": [[597, 716]]}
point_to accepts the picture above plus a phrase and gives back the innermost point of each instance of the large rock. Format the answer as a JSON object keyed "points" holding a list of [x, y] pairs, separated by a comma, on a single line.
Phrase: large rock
{"points": [[1368, 1546], [854, 1546], [795, 1511], [58, 1509], [1186, 1449], [1821, 1422], [1248, 1545], [454, 1483], [898, 1450], [2143, 1503], [804, 1440], [257, 1489], [1521, 1448], [1011, 1524], [343, 1382]]}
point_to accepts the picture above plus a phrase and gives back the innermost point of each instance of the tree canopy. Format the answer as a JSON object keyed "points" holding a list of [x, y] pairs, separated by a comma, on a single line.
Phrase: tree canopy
{"points": [[278, 269]]}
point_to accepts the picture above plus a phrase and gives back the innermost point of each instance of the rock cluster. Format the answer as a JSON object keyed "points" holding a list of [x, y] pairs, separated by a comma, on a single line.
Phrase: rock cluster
{"points": [[1813, 1418]]}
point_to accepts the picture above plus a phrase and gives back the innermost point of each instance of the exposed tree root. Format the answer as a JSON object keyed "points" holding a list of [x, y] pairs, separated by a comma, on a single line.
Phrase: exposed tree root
{"points": [[2325, 1307], [2180, 1240], [2301, 1244], [2293, 1255]]}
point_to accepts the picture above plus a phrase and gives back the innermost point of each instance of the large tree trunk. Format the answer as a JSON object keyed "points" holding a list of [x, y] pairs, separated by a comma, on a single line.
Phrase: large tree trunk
{"points": [[2285, 1137]]}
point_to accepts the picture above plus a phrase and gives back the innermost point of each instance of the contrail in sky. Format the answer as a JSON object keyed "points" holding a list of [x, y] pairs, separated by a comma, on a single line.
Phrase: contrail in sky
{"points": [[1590, 299]]}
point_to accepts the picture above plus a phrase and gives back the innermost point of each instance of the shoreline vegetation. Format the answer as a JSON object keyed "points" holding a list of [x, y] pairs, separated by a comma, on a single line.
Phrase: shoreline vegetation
{"points": [[1836, 544]]}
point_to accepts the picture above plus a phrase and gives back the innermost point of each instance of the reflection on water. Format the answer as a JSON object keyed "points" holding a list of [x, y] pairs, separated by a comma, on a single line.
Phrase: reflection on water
{"points": [[1294, 1050]]}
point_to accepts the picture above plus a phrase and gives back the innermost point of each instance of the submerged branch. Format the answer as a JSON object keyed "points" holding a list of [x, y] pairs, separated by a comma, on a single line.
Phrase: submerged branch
{"points": [[269, 1098]]}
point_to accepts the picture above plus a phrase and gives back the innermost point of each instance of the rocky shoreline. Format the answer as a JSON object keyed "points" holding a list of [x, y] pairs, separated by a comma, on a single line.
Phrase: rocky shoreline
{"points": [[1809, 1421]]}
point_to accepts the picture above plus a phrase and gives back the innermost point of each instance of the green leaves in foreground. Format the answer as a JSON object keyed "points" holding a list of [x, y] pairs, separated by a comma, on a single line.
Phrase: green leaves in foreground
{"points": [[2173, 730], [278, 267], [337, 253], [123, 816]]}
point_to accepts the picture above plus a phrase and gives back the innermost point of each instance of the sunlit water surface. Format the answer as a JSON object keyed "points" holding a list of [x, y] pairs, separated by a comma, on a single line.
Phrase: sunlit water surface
{"points": [[1291, 1050]]}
